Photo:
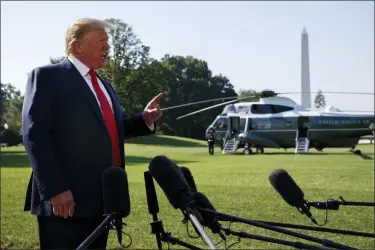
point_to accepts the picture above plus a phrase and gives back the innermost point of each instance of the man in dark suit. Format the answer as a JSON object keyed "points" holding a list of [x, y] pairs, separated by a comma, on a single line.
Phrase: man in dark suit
{"points": [[73, 129]]}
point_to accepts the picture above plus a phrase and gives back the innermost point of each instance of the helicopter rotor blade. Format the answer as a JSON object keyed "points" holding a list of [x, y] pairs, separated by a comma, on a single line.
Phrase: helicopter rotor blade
{"points": [[327, 92], [214, 106], [193, 103], [234, 97]]}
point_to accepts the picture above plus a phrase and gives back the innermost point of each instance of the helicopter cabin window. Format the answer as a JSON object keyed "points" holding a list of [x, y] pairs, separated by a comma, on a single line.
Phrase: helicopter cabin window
{"points": [[221, 124], [269, 108]]}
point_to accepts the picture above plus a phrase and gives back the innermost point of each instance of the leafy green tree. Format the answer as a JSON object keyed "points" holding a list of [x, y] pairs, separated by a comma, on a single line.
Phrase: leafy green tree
{"points": [[13, 113], [10, 112], [7, 93], [56, 60], [190, 80], [2, 102], [127, 56], [249, 93]]}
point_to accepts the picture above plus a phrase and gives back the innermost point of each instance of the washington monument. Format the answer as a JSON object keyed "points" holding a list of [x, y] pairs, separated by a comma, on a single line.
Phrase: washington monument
{"points": [[305, 71]]}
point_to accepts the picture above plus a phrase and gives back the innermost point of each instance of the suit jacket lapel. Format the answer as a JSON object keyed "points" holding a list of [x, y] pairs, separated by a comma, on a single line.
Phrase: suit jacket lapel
{"points": [[82, 87]]}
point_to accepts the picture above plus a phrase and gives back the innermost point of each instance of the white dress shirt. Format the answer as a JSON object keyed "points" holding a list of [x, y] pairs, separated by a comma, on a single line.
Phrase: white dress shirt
{"points": [[84, 71]]}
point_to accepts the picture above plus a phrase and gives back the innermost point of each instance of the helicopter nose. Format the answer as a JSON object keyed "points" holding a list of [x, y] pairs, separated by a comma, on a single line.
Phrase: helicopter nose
{"points": [[210, 129]]}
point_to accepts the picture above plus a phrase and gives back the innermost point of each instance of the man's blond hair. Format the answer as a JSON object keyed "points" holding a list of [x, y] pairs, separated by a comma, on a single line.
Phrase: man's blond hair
{"points": [[81, 27]]}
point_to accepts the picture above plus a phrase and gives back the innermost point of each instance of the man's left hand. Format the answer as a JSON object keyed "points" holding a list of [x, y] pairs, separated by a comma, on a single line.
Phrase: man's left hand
{"points": [[152, 111]]}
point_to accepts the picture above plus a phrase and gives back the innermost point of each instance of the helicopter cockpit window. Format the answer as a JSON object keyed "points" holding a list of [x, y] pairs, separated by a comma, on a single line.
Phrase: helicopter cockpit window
{"points": [[269, 109], [261, 109], [221, 124]]}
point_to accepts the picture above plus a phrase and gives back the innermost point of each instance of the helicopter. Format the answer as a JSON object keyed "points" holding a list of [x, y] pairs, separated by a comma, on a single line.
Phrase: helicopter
{"points": [[279, 122]]}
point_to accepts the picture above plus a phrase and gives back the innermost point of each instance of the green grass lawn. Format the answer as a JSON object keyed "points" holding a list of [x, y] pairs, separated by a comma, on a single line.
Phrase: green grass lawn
{"points": [[236, 184]]}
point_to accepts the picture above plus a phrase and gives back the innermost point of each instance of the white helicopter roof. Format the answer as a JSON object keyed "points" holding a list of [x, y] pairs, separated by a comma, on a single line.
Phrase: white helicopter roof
{"points": [[245, 107], [292, 108]]}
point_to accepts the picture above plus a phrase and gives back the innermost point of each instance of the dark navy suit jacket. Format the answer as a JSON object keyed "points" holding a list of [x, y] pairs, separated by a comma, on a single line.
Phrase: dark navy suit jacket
{"points": [[66, 139]]}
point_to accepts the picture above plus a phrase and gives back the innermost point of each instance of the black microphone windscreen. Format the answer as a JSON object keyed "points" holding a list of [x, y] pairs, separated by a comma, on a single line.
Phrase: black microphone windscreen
{"points": [[116, 197], [171, 180], [209, 219], [152, 199], [202, 201], [189, 178], [286, 187]]}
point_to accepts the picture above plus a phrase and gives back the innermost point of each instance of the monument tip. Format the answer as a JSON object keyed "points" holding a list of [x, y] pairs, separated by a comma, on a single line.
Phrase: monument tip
{"points": [[304, 32]]}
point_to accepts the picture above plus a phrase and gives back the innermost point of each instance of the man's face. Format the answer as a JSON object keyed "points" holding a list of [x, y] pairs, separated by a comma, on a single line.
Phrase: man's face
{"points": [[93, 49]]}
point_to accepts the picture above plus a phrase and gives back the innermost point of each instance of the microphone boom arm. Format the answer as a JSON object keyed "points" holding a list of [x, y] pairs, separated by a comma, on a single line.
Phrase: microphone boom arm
{"points": [[324, 242], [319, 229], [298, 245]]}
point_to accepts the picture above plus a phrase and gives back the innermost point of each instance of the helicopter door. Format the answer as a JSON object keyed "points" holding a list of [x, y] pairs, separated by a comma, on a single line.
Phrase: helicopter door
{"points": [[234, 125], [303, 126]]}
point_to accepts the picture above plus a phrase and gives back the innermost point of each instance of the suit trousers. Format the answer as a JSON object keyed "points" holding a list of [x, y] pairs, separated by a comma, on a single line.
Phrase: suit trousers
{"points": [[60, 233]]}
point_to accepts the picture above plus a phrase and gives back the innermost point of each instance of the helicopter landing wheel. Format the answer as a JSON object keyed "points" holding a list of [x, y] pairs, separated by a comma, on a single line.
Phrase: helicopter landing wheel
{"points": [[260, 151], [247, 151], [211, 149]]}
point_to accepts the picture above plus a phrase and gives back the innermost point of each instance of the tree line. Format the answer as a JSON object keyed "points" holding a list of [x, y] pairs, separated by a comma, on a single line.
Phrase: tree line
{"points": [[11, 102], [137, 78]]}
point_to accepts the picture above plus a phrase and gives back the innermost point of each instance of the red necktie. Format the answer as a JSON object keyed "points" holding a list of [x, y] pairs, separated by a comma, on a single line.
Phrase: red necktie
{"points": [[109, 119]]}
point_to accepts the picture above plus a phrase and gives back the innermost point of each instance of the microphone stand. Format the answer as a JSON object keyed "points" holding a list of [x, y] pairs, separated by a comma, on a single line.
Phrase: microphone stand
{"points": [[161, 235], [324, 242], [157, 225], [335, 204], [199, 227], [298, 245], [103, 226]]}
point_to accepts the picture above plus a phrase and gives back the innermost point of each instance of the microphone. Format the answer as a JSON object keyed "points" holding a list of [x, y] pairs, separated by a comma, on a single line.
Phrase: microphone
{"points": [[153, 207], [209, 220], [330, 204], [289, 191], [116, 203], [189, 178], [335, 204], [116, 197], [202, 201], [178, 192], [170, 179]]}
